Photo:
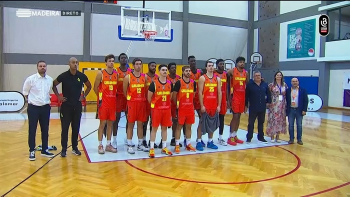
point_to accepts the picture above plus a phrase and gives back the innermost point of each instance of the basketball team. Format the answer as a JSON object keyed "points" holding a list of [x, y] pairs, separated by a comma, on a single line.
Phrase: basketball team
{"points": [[168, 100]]}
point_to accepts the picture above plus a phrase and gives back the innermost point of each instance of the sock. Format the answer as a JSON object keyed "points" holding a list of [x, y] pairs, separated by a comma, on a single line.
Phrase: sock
{"points": [[144, 137], [114, 138], [220, 137], [100, 142], [210, 139], [164, 144], [152, 144], [188, 141], [199, 140], [177, 142], [140, 141], [108, 142], [233, 134], [129, 142]]}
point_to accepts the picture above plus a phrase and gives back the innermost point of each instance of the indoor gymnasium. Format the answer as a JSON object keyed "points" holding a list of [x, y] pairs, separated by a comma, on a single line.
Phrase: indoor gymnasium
{"points": [[276, 74]]}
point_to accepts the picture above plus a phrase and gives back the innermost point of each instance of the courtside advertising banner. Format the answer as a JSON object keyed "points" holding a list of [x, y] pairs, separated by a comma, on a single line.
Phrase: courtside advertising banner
{"points": [[315, 103], [11, 101]]}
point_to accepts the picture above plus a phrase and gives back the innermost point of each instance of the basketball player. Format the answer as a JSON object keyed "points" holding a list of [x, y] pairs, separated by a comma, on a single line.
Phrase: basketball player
{"points": [[173, 77], [184, 90], [150, 77], [209, 91], [195, 75], [122, 71], [239, 79], [221, 73], [159, 95], [105, 88], [134, 86]]}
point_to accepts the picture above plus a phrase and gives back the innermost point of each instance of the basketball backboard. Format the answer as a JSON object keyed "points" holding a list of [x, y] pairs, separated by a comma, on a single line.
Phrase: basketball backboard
{"points": [[135, 21], [256, 57], [229, 64]]}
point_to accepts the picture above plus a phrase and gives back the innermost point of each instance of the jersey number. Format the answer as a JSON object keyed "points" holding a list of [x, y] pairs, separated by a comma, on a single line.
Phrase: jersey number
{"points": [[211, 89], [138, 90], [240, 83], [187, 95], [163, 98], [110, 87]]}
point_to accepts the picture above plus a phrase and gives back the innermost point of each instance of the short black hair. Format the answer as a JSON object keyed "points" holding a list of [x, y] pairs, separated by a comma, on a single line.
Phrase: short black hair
{"points": [[171, 64], [121, 55], [218, 61], [206, 63], [110, 56], [136, 60], [189, 57], [161, 66], [149, 64], [240, 59], [41, 61]]}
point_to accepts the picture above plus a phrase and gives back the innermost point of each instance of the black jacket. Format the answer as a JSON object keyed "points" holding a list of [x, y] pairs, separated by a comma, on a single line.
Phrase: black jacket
{"points": [[257, 96], [303, 100]]}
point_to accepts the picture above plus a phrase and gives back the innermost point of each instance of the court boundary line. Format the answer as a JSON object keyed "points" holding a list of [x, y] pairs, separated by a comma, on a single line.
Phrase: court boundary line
{"points": [[223, 183]]}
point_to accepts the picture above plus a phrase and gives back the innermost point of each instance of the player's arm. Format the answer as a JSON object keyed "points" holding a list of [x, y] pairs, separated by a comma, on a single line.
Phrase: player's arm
{"points": [[126, 85], [230, 72], [219, 92], [98, 80], [200, 90], [176, 90], [151, 90]]}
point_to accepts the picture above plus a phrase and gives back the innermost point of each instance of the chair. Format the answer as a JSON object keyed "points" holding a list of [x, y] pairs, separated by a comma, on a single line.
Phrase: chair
{"points": [[55, 102]]}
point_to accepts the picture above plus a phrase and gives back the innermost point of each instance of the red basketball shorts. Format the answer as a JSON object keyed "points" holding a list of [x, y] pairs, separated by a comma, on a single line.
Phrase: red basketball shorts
{"points": [[196, 103], [223, 108], [106, 113], [136, 111], [173, 110], [186, 117], [148, 109], [238, 105], [161, 117], [121, 103]]}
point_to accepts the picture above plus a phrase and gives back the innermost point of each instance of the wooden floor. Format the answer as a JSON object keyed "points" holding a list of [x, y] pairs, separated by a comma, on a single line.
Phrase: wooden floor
{"points": [[324, 161]]}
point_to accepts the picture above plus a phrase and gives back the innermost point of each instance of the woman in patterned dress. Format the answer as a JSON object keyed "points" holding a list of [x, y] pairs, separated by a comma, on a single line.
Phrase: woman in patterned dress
{"points": [[276, 122]]}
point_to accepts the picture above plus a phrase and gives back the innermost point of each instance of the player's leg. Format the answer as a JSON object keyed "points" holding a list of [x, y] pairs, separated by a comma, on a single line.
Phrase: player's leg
{"points": [[109, 147], [140, 117], [131, 118], [165, 122], [174, 125], [237, 109], [199, 132], [190, 119], [210, 143], [200, 144], [103, 116], [221, 130], [156, 118], [181, 121]]}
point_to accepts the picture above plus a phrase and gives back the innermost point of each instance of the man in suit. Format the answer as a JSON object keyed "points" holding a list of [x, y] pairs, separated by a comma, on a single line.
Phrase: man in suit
{"points": [[297, 103]]}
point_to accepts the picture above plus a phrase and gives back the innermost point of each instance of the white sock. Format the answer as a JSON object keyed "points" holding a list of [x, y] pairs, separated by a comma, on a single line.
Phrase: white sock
{"points": [[129, 142], [108, 142], [188, 141], [140, 141], [144, 137], [152, 144], [210, 139], [100, 142], [199, 140], [220, 137], [114, 138], [164, 144], [233, 134], [177, 142]]}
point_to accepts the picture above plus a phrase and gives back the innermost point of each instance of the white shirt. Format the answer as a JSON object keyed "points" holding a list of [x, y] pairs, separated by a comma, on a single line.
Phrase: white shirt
{"points": [[38, 89]]}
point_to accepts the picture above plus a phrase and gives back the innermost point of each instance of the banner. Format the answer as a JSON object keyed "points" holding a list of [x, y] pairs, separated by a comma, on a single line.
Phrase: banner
{"points": [[315, 103], [301, 39], [11, 101], [346, 90]]}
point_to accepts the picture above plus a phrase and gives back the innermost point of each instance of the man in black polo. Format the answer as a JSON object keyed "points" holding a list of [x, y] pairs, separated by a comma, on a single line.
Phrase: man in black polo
{"points": [[72, 83]]}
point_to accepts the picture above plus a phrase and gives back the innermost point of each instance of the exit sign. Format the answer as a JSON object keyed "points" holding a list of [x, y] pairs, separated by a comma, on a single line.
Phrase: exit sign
{"points": [[107, 1]]}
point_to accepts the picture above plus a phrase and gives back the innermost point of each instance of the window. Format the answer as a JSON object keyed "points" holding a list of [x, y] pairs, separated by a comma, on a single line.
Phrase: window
{"points": [[339, 24]]}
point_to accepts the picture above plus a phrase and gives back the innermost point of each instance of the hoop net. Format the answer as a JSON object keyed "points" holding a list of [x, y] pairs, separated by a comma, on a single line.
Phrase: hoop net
{"points": [[256, 65], [149, 35]]}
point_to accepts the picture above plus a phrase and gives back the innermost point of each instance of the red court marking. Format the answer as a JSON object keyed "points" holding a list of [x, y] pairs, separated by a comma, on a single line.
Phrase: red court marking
{"points": [[208, 182], [85, 151], [328, 190]]}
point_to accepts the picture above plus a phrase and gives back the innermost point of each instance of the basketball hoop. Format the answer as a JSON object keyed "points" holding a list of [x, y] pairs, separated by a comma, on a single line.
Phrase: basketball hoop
{"points": [[149, 35]]}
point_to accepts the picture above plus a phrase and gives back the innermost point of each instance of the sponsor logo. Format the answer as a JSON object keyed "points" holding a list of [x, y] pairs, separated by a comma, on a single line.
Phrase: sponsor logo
{"points": [[323, 27], [11, 101], [315, 103]]}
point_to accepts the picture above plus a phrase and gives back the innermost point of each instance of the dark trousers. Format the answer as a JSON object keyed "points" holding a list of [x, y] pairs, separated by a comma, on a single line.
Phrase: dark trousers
{"points": [[292, 116], [41, 114], [251, 120], [70, 115]]}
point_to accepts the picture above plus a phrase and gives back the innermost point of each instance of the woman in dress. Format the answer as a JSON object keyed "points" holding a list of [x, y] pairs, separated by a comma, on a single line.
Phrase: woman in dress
{"points": [[276, 122]]}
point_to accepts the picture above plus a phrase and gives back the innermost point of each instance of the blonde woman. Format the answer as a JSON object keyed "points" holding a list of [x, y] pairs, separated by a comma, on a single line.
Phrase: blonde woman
{"points": [[276, 123]]}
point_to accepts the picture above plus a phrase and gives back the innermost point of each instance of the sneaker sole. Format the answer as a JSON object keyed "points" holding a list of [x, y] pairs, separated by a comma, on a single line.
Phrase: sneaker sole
{"points": [[31, 159], [50, 156], [76, 154]]}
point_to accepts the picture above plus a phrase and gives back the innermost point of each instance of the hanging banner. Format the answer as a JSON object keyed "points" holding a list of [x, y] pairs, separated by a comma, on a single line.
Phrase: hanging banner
{"points": [[301, 39]]}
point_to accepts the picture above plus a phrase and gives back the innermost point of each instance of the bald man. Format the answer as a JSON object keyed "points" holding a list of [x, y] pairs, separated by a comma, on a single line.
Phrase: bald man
{"points": [[70, 113]]}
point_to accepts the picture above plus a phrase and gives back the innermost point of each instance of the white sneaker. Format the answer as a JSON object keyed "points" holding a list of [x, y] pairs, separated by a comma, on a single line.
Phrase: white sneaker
{"points": [[222, 142], [142, 148], [130, 150], [126, 143], [114, 144]]}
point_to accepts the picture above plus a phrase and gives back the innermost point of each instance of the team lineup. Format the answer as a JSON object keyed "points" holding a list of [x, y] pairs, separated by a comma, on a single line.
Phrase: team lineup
{"points": [[169, 100]]}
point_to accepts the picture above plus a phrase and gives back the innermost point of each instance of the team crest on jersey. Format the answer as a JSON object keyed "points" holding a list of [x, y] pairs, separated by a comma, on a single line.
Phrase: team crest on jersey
{"points": [[138, 80], [163, 87]]}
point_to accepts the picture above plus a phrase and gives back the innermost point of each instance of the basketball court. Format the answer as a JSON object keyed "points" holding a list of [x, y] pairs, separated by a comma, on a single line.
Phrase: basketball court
{"points": [[318, 168]]}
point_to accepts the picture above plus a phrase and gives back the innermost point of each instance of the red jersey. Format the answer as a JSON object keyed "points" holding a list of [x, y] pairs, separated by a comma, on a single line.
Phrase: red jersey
{"points": [[173, 81], [185, 95], [149, 81], [137, 88], [223, 78], [238, 83], [108, 89], [210, 92], [161, 96], [121, 75]]}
